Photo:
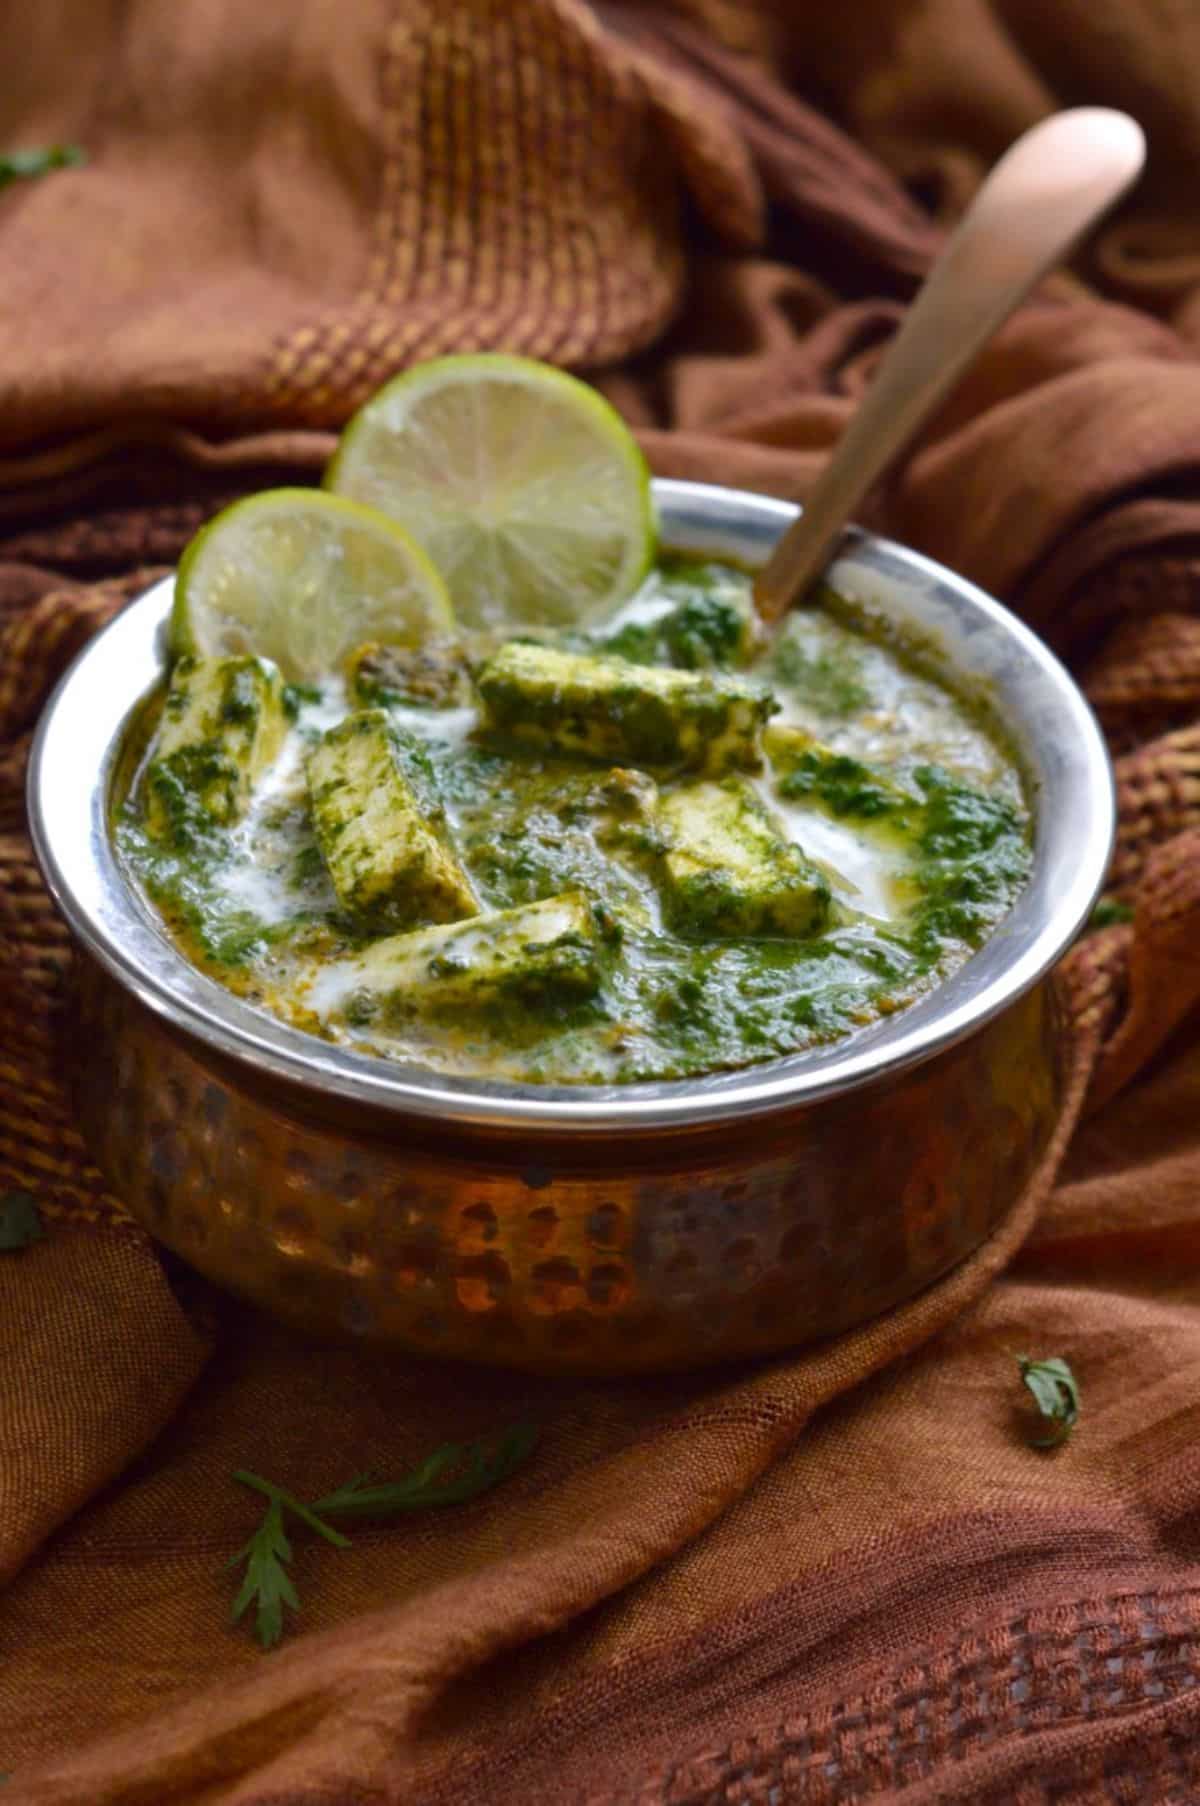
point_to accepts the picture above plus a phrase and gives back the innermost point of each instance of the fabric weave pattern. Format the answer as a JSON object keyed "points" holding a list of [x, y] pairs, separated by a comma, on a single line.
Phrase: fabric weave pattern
{"points": [[842, 1577]]}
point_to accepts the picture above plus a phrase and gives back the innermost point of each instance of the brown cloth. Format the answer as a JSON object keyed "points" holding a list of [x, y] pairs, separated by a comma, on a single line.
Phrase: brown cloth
{"points": [[838, 1577]]}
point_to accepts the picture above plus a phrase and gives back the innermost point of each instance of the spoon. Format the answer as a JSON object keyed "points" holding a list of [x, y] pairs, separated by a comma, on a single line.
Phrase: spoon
{"points": [[1036, 204]]}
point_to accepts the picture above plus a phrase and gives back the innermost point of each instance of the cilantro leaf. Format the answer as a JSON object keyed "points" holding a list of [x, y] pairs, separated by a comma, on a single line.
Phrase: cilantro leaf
{"points": [[266, 1584], [20, 1221], [1056, 1393], [450, 1476], [26, 165], [288, 1502]]}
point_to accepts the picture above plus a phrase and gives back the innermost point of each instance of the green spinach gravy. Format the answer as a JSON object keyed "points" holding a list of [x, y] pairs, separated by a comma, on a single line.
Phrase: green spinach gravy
{"points": [[650, 851]]}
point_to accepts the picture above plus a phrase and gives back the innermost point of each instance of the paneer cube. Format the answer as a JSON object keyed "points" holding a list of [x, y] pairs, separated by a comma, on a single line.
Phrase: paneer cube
{"points": [[223, 723], [432, 675], [386, 847], [808, 770], [546, 954], [727, 869], [628, 714]]}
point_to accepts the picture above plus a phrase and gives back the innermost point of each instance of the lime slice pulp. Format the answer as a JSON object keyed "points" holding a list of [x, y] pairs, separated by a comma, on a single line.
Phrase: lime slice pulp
{"points": [[525, 487], [303, 578]]}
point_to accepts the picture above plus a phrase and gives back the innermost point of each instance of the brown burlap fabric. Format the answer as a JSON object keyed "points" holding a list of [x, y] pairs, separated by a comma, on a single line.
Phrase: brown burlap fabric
{"points": [[841, 1577]]}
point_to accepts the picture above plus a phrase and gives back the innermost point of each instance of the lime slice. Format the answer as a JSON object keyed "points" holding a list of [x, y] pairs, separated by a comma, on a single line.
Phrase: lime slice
{"points": [[302, 578], [526, 489]]}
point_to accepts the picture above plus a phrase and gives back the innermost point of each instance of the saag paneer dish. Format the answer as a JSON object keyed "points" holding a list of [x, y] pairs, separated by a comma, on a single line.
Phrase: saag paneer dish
{"points": [[502, 835]]}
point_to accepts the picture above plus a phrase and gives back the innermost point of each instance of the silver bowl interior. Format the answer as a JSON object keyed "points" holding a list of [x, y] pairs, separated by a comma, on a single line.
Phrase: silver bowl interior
{"points": [[978, 642]]}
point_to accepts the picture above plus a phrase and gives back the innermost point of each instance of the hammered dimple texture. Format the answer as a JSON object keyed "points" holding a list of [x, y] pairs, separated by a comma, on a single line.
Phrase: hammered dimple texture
{"points": [[560, 1255]]}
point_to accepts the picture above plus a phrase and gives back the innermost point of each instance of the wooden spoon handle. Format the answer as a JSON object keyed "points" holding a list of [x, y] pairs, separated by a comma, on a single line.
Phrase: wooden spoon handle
{"points": [[1038, 201]]}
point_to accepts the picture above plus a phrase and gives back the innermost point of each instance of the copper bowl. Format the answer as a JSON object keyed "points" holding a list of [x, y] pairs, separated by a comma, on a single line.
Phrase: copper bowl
{"points": [[585, 1229]]}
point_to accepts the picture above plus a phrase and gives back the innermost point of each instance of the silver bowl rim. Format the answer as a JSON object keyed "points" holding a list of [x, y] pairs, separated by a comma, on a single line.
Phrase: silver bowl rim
{"points": [[1053, 729]]}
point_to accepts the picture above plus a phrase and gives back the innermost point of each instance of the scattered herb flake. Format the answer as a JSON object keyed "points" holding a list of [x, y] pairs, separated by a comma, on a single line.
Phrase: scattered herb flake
{"points": [[1109, 911], [450, 1476], [295, 696], [20, 1222], [27, 165], [1056, 1394], [829, 681]]}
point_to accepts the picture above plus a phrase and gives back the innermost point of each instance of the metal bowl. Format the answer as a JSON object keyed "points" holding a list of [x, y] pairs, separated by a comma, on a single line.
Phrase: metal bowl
{"points": [[589, 1229]]}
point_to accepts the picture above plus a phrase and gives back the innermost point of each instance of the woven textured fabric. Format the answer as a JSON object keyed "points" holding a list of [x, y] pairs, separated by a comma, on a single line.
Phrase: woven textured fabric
{"points": [[837, 1578]]}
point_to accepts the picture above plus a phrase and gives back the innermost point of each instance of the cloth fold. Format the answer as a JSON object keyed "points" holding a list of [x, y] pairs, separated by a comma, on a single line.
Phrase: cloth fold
{"points": [[843, 1576]]}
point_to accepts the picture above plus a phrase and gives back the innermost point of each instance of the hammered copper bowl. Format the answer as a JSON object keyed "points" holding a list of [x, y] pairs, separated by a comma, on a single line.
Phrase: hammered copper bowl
{"points": [[606, 1229]]}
